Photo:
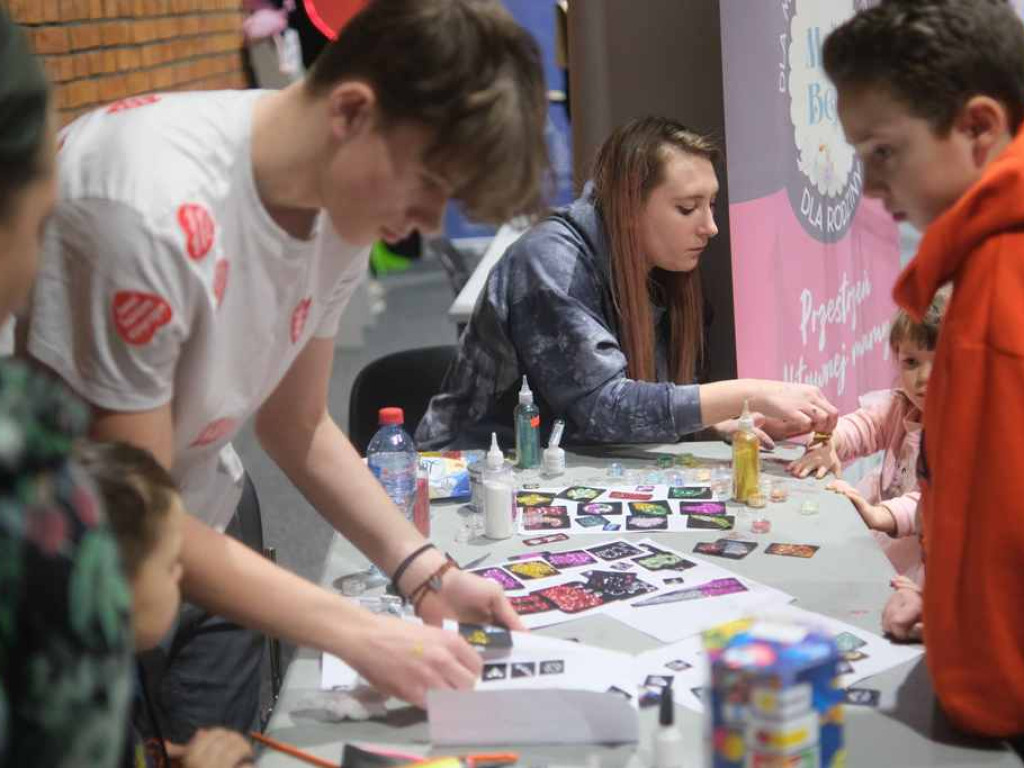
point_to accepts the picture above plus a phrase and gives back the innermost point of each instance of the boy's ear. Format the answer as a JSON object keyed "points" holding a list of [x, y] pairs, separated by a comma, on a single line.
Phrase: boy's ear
{"points": [[350, 107], [985, 123]]}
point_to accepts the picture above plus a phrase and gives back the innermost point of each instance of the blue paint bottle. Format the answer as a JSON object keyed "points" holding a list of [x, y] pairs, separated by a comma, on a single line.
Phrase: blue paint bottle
{"points": [[527, 421]]}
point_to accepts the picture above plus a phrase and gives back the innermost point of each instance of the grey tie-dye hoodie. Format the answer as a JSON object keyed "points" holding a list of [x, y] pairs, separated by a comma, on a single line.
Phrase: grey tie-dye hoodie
{"points": [[546, 311]]}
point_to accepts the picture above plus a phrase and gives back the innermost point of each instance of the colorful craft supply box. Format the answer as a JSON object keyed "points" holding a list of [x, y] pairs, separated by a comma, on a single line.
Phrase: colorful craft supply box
{"points": [[773, 698]]}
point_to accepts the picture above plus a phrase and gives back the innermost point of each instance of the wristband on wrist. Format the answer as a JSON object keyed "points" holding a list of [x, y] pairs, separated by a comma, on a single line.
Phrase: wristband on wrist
{"points": [[431, 584], [820, 438], [404, 565]]}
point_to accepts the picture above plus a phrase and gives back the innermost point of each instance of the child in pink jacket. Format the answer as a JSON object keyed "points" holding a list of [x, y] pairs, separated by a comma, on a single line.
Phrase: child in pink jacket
{"points": [[888, 421]]}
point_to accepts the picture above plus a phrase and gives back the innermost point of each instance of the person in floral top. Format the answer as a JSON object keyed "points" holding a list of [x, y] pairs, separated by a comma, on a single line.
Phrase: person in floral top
{"points": [[64, 604]]}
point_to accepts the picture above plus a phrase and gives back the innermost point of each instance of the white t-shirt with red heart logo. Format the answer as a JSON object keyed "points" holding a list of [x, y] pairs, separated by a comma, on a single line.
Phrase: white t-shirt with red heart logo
{"points": [[164, 279]]}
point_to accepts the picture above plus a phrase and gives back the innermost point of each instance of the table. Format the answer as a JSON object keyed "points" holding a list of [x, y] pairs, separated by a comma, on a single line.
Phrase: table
{"points": [[462, 308], [847, 579]]}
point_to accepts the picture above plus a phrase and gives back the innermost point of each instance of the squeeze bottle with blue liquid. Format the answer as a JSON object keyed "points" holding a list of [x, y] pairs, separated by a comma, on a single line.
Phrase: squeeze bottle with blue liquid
{"points": [[527, 421]]}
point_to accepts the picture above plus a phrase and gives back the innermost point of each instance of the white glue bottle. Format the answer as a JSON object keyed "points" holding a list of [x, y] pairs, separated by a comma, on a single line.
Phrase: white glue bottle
{"points": [[499, 494], [553, 461]]}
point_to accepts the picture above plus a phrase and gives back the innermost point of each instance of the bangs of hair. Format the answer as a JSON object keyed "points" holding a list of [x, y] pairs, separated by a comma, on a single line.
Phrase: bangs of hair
{"points": [[494, 158], [465, 71]]}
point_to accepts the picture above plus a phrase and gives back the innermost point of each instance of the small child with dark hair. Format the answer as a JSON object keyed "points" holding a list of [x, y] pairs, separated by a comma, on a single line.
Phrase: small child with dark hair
{"points": [[146, 517], [888, 421]]}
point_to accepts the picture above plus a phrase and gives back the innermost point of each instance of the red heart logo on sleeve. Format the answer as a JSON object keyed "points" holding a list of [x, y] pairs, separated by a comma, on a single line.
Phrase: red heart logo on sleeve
{"points": [[138, 316], [199, 228], [299, 317]]}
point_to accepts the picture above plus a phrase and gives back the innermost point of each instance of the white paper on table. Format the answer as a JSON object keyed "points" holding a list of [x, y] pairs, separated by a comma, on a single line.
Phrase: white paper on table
{"points": [[482, 718], [675, 522], [667, 660], [531, 664], [880, 653], [670, 622], [539, 676], [584, 667], [683, 618], [336, 674]]}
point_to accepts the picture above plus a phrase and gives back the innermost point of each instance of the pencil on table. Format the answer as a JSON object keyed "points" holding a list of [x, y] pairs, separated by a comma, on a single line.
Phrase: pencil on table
{"points": [[295, 752]]}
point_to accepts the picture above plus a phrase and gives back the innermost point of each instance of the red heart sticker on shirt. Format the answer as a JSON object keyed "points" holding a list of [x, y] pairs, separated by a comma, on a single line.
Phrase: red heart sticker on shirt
{"points": [[220, 280], [299, 317], [138, 316], [213, 432], [199, 228], [132, 103]]}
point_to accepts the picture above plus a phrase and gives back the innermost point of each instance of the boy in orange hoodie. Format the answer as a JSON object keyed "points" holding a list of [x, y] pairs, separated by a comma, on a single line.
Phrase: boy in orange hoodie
{"points": [[931, 96]]}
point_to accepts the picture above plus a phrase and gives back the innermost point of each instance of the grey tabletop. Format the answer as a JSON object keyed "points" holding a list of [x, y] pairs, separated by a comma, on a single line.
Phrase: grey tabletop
{"points": [[847, 579]]}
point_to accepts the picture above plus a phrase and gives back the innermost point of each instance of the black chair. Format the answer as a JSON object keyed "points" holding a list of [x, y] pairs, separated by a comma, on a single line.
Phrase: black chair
{"points": [[404, 379]]}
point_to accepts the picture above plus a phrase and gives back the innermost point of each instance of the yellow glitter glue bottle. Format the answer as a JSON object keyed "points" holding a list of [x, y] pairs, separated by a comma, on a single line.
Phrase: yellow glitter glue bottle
{"points": [[746, 458]]}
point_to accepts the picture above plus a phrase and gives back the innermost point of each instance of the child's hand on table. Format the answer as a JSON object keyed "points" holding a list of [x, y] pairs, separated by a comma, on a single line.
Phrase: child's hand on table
{"points": [[877, 517], [903, 615], [819, 459]]}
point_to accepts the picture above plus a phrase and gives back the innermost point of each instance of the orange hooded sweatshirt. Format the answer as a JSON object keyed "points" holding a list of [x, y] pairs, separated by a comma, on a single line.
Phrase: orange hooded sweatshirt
{"points": [[973, 498]]}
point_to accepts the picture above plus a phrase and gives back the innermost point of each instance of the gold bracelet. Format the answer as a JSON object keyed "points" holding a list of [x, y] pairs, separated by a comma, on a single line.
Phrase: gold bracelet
{"points": [[820, 438]]}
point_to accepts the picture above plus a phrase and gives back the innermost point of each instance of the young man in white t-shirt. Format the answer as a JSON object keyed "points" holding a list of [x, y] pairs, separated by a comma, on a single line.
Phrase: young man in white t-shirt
{"points": [[202, 253]]}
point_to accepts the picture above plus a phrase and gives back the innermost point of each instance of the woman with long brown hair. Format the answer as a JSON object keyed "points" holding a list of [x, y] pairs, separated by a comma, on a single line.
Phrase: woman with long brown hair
{"points": [[600, 306]]}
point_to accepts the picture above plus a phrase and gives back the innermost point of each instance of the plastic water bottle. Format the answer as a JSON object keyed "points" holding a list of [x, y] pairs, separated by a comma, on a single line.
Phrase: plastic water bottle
{"points": [[392, 458]]}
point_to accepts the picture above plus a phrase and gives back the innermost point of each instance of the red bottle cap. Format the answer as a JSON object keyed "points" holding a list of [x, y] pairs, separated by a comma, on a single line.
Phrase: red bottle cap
{"points": [[391, 416]]}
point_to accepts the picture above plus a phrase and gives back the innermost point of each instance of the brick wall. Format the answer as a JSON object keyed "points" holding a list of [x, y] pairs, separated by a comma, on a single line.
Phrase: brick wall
{"points": [[98, 51]]}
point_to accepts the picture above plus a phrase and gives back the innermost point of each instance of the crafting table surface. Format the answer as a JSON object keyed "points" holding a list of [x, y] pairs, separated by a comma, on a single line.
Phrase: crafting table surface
{"points": [[846, 579]]}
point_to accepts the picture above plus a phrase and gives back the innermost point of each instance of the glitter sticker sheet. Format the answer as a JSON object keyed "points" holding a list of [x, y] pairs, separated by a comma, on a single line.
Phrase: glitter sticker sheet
{"points": [[634, 581], [591, 509]]}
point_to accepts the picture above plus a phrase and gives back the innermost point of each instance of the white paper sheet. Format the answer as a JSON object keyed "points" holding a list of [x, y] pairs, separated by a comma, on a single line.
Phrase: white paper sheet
{"points": [[524, 717], [880, 654], [679, 509], [669, 622], [593, 691], [335, 674], [536, 663], [684, 662], [553, 587]]}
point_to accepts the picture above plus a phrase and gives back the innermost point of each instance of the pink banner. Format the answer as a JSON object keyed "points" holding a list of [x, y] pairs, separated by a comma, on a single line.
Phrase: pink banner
{"points": [[814, 313], [813, 263]]}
